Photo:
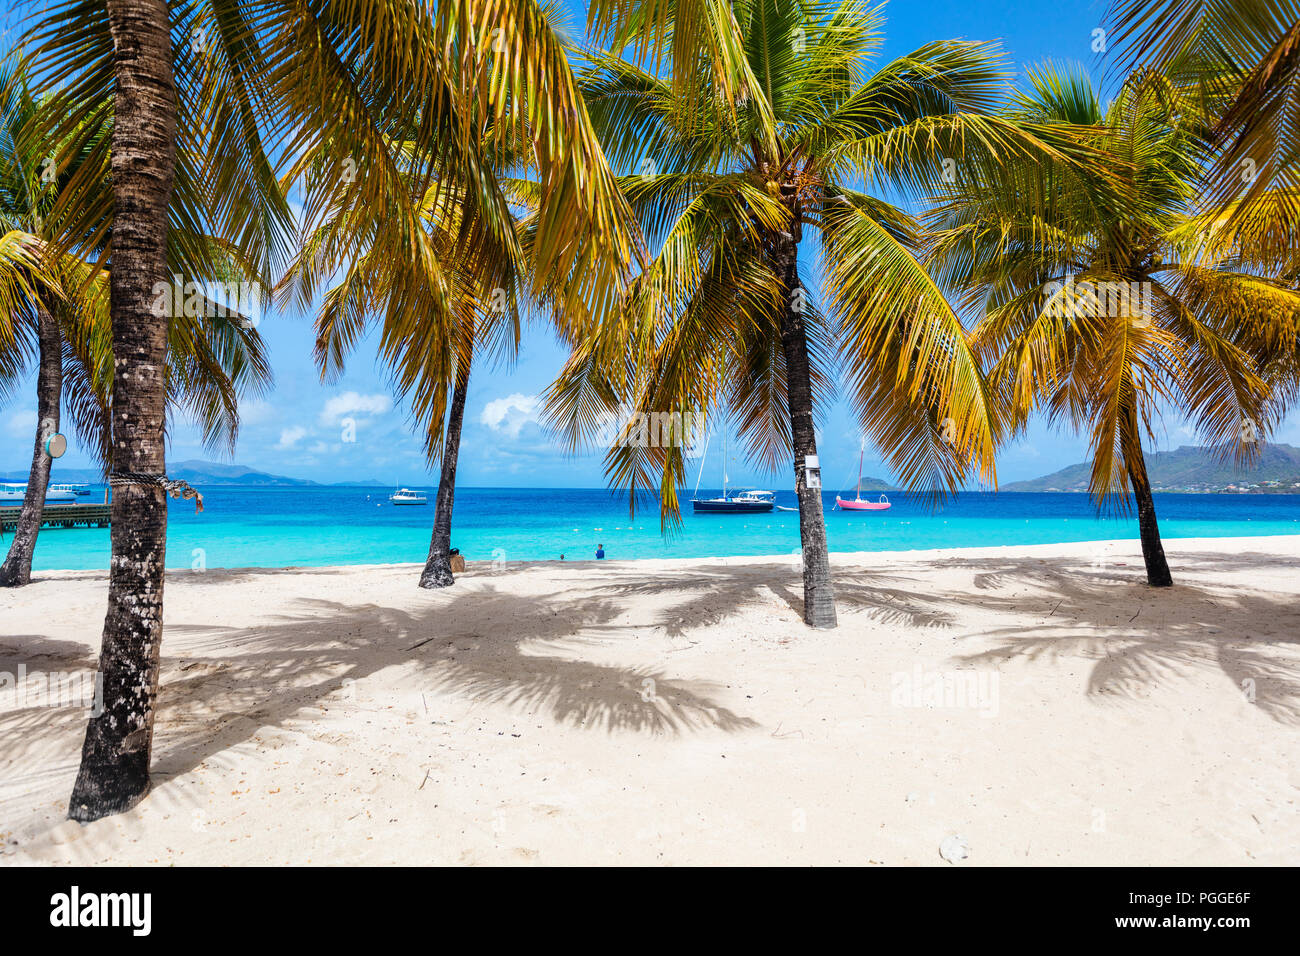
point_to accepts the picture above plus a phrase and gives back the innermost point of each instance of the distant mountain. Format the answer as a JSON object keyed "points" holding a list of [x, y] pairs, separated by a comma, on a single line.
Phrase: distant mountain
{"points": [[194, 471], [1191, 469], [88, 476], [215, 473], [874, 484], [198, 473]]}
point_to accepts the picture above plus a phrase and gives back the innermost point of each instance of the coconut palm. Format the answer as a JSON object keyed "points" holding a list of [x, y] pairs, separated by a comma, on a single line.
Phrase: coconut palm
{"points": [[123, 81], [63, 321], [1094, 304], [445, 266], [30, 292], [197, 87], [430, 360], [756, 133]]}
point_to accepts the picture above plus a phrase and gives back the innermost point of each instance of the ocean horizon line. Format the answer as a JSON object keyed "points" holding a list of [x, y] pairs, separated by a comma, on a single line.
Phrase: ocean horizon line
{"points": [[333, 525], [889, 489]]}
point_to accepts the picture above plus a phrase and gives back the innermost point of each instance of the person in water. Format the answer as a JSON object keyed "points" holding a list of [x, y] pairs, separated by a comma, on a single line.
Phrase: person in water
{"points": [[600, 551]]}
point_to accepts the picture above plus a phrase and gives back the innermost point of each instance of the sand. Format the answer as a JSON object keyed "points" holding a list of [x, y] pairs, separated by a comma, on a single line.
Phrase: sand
{"points": [[1040, 703]]}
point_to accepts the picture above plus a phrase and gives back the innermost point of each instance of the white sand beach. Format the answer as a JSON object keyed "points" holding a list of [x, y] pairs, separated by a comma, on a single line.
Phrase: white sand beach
{"points": [[1039, 702]]}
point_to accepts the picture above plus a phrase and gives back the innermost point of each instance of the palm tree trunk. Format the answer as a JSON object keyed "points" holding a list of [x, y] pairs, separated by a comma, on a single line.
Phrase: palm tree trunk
{"points": [[114, 773], [1153, 552], [818, 595], [437, 570], [17, 568]]}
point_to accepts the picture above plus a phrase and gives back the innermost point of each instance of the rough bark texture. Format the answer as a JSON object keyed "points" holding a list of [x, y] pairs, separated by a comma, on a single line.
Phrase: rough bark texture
{"points": [[437, 570], [818, 595], [17, 568], [1153, 552], [114, 773]]}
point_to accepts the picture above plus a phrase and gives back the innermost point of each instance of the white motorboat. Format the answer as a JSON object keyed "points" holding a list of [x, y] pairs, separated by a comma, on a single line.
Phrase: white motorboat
{"points": [[405, 496], [78, 488], [13, 494]]}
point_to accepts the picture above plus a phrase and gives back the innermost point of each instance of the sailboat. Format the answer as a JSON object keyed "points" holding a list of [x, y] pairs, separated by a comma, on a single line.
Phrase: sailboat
{"points": [[745, 503], [859, 503]]}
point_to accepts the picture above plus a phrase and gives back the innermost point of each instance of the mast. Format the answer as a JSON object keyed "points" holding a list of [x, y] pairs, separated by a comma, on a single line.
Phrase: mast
{"points": [[857, 489], [700, 474], [724, 467]]}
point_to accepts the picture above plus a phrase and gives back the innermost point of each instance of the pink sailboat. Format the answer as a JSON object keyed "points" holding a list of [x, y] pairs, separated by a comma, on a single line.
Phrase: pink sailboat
{"points": [[859, 503]]}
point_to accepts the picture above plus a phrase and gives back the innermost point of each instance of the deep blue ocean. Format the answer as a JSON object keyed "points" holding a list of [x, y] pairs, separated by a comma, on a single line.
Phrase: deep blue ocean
{"points": [[259, 526]]}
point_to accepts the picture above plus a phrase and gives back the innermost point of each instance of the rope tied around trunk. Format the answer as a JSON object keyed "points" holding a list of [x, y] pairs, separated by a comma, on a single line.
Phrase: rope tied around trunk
{"points": [[173, 486]]}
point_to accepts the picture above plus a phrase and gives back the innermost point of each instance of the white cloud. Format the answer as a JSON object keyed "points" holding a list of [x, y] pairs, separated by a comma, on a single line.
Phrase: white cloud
{"points": [[21, 423], [510, 414], [291, 436], [353, 403]]}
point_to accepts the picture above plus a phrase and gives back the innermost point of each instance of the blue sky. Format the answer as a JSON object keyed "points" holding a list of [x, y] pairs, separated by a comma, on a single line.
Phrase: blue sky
{"points": [[299, 429]]}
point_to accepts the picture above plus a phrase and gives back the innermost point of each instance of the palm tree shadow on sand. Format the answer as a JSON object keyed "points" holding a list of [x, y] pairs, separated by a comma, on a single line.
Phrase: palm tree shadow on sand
{"points": [[526, 651], [523, 658], [530, 653], [708, 594], [1252, 637], [1132, 656]]}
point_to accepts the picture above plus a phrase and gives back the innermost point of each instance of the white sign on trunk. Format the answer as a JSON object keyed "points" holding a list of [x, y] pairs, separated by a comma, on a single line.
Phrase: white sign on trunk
{"points": [[812, 475]]}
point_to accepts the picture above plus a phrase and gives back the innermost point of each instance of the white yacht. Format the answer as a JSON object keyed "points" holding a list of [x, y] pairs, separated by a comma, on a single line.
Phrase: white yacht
{"points": [[405, 496], [13, 494], [78, 488]]}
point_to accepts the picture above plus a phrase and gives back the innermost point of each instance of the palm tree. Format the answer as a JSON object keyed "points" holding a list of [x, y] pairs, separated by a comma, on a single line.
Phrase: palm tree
{"points": [[24, 185], [447, 273], [1095, 300], [114, 771], [211, 360], [429, 359], [321, 79], [115, 115], [756, 133]]}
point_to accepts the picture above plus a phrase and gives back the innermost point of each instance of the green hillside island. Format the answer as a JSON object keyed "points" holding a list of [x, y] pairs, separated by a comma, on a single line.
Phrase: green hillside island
{"points": [[875, 484], [196, 473], [1192, 469]]}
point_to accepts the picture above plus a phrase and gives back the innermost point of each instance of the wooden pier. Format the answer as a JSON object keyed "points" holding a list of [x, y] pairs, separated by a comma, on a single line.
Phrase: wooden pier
{"points": [[60, 516]]}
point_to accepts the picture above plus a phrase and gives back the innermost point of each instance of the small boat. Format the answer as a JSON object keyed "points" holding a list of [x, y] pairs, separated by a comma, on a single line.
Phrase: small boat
{"points": [[77, 488], [745, 503], [13, 494], [859, 503], [405, 496]]}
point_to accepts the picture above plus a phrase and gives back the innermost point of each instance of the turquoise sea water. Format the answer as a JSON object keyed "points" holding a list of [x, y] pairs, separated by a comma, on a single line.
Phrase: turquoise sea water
{"points": [[245, 526]]}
